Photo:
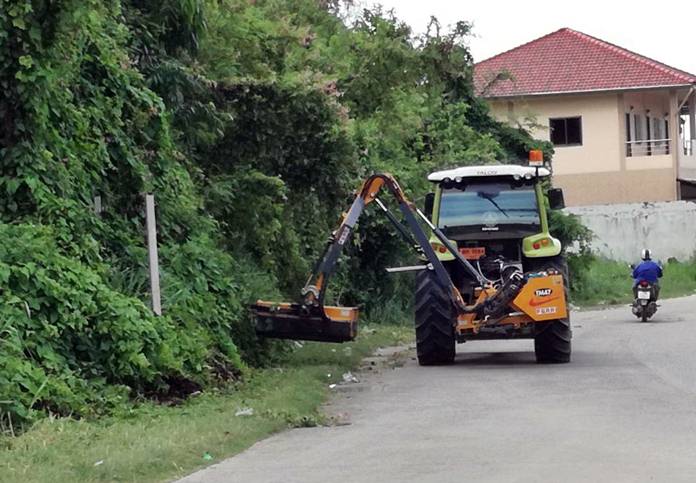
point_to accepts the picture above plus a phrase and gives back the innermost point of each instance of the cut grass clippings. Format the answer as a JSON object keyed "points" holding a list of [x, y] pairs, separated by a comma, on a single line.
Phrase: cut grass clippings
{"points": [[610, 283], [155, 443]]}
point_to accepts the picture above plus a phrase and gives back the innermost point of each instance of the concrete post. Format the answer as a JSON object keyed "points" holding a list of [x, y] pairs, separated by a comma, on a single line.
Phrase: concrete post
{"points": [[152, 253], [98, 205]]}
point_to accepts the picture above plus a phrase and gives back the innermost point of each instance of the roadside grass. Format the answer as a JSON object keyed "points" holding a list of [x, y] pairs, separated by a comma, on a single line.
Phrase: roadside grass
{"points": [[609, 283], [156, 443]]}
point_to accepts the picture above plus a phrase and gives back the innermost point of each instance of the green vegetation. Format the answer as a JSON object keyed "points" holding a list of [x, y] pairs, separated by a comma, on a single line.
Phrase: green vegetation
{"points": [[251, 122], [155, 443], [606, 282]]}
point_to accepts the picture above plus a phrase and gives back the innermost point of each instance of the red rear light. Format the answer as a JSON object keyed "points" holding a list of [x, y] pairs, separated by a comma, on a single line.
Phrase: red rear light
{"points": [[438, 247], [544, 242], [644, 283]]}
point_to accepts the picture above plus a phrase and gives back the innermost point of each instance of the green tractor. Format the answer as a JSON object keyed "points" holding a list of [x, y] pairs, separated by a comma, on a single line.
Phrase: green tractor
{"points": [[496, 216], [490, 268]]}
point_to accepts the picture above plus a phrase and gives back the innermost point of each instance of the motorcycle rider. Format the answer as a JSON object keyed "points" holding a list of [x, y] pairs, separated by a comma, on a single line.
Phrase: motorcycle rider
{"points": [[647, 270]]}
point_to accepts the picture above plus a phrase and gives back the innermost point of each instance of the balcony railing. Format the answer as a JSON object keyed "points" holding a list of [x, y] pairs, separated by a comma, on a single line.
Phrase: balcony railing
{"points": [[648, 147]]}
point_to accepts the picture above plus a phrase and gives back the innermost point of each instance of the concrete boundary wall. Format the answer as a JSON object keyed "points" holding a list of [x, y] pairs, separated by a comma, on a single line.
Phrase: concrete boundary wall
{"points": [[623, 230]]}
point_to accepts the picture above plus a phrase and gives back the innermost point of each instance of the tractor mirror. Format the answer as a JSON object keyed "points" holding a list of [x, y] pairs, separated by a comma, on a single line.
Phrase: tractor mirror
{"points": [[556, 201], [429, 202]]}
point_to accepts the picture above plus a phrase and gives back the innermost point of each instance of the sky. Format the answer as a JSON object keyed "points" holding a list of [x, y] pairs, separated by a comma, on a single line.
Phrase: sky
{"points": [[664, 30]]}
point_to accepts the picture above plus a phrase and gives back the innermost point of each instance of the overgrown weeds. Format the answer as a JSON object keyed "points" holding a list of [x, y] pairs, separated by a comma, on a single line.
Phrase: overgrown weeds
{"points": [[155, 443]]}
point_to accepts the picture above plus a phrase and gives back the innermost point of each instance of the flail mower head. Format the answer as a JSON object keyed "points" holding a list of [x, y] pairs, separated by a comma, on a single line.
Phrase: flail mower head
{"points": [[299, 322]]}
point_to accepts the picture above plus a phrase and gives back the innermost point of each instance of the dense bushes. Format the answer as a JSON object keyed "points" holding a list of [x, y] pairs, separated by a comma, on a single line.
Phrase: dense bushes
{"points": [[81, 122], [252, 122], [576, 239], [66, 333]]}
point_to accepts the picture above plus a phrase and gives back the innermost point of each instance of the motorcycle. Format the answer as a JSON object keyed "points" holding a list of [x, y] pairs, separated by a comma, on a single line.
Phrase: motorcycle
{"points": [[645, 303]]}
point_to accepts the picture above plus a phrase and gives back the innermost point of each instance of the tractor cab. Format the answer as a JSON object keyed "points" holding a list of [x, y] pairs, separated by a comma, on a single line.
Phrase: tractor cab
{"points": [[501, 206]]}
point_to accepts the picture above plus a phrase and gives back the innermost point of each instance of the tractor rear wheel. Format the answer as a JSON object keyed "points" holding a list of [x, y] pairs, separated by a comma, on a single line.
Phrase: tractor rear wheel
{"points": [[435, 318], [552, 340]]}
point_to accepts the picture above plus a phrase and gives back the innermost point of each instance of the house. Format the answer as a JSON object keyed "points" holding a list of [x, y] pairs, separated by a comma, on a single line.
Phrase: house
{"points": [[622, 125]]}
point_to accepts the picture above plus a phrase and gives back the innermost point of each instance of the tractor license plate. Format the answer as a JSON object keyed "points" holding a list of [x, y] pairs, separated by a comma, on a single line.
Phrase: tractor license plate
{"points": [[473, 253], [644, 295]]}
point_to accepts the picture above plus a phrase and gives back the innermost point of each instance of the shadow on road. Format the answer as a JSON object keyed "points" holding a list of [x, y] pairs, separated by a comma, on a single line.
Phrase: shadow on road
{"points": [[656, 320], [495, 358]]}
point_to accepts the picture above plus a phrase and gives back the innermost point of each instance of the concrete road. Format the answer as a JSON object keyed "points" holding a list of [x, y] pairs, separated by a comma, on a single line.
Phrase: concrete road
{"points": [[624, 410]]}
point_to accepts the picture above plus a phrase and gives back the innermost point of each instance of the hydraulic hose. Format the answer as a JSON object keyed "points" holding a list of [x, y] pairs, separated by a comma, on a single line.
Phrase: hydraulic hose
{"points": [[497, 305]]}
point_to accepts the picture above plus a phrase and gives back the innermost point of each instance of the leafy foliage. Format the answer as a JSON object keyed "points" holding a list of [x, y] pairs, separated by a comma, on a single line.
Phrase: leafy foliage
{"points": [[66, 334], [81, 122], [576, 239]]}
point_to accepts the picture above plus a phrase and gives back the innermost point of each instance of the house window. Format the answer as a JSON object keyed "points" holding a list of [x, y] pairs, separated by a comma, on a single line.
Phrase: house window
{"points": [[629, 130], [628, 127], [638, 126], [566, 131], [657, 129], [646, 135]]}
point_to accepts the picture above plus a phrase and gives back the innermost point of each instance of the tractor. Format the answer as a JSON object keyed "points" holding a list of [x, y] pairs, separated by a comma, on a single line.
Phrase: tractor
{"points": [[490, 269]]}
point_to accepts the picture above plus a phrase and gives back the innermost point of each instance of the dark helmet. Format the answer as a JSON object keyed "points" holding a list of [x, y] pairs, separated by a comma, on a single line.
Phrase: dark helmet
{"points": [[646, 254]]}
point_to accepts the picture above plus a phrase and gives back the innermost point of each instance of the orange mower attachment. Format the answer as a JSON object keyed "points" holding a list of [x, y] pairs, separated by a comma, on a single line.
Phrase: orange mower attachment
{"points": [[309, 318], [295, 321]]}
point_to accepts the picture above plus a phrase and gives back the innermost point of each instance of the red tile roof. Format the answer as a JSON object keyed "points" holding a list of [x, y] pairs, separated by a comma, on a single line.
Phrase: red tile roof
{"points": [[570, 61]]}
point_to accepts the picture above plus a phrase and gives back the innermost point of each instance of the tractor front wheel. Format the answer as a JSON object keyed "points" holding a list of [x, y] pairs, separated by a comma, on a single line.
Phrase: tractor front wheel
{"points": [[552, 343], [435, 318]]}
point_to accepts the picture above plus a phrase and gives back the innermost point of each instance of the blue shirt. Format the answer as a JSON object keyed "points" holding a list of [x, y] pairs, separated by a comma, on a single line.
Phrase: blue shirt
{"points": [[647, 270]]}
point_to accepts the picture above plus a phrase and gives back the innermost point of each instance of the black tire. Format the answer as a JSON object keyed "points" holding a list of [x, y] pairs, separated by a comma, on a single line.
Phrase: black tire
{"points": [[435, 318], [643, 313], [552, 341]]}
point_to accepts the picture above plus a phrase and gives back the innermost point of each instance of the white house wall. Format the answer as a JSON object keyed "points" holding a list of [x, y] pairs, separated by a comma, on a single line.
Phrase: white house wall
{"points": [[600, 129], [598, 172]]}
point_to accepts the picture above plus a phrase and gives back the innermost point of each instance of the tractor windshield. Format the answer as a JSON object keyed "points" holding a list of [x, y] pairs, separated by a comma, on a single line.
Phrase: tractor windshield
{"points": [[489, 207]]}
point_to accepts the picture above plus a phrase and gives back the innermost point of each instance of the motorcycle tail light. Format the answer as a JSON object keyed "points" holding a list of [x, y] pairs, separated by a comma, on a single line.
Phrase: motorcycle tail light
{"points": [[644, 283]]}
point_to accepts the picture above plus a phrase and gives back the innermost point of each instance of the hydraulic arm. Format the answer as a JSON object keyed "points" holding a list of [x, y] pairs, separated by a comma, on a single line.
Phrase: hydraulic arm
{"points": [[310, 319]]}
